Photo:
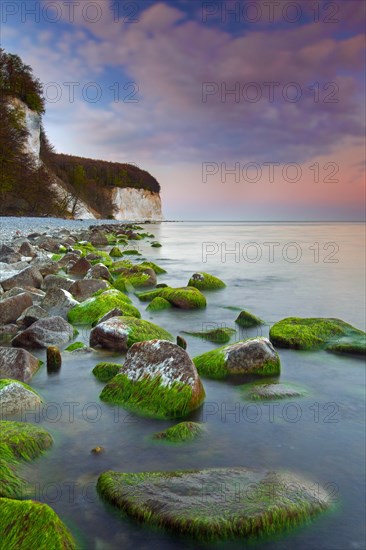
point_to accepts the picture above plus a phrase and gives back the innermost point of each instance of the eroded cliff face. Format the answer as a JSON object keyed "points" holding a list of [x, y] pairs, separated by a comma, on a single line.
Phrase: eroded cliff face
{"points": [[136, 204], [130, 204], [32, 122]]}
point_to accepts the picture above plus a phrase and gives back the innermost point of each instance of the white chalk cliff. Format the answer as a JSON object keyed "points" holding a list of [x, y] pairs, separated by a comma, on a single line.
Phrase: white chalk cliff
{"points": [[130, 204], [136, 204]]}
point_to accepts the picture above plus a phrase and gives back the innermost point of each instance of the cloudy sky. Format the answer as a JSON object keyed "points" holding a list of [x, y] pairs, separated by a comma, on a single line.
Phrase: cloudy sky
{"points": [[243, 110]]}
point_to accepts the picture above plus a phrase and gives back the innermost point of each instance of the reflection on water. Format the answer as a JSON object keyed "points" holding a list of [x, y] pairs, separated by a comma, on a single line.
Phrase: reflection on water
{"points": [[319, 435]]}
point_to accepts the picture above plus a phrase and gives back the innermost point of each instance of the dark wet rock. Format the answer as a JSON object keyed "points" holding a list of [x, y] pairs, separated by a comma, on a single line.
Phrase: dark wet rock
{"points": [[15, 397], [18, 364], [80, 267], [158, 379], [11, 308], [31, 315], [58, 302], [44, 333], [120, 333], [7, 332], [252, 356], [217, 503], [99, 271], [48, 243], [181, 342], [26, 249], [45, 266], [54, 359], [30, 276], [11, 258], [6, 249], [85, 288], [98, 238], [116, 312], [69, 257], [56, 281]]}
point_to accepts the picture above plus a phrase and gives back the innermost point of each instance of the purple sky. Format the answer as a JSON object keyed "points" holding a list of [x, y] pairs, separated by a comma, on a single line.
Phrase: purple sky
{"points": [[242, 110]]}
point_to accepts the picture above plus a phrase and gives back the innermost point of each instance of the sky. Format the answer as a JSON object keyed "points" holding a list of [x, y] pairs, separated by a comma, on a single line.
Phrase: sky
{"points": [[242, 110]]}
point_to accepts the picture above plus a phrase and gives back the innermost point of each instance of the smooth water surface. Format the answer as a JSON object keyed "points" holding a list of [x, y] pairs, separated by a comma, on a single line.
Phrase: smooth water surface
{"points": [[320, 436]]}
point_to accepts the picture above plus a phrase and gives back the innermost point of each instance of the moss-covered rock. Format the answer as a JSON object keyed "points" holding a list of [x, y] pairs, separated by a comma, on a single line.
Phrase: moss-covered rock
{"points": [[18, 441], [184, 298], [158, 379], [218, 335], [115, 252], [184, 431], [158, 304], [27, 524], [92, 309], [120, 333], [158, 270], [205, 281], [247, 320], [15, 397], [155, 244], [252, 356], [131, 252], [75, 346], [137, 276], [272, 391], [106, 371], [215, 503], [316, 333]]}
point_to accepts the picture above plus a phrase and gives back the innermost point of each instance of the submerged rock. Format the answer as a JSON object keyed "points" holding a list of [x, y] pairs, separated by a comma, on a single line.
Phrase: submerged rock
{"points": [[184, 298], [184, 431], [216, 503], [316, 333], [158, 379], [18, 440], [247, 320], [217, 335], [205, 281], [94, 308], [27, 524], [15, 396], [119, 333], [106, 371], [272, 391], [252, 356], [18, 364], [45, 332]]}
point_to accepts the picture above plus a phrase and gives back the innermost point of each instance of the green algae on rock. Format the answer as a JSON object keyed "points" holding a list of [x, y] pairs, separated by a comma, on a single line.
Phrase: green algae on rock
{"points": [[247, 320], [75, 346], [115, 252], [184, 297], [252, 356], [137, 276], [92, 309], [158, 304], [316, 333], [27, 524], [217, 503], [18, 441], [158, 270], [217, 335], [272, 391], [184, 431], [106, 371], [158, 380], [205, 281], [16, 396], [120, 333]]}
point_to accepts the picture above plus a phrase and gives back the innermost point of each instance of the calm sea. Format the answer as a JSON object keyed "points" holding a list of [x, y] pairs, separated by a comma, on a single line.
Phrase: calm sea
{"points": [[274, 271]]}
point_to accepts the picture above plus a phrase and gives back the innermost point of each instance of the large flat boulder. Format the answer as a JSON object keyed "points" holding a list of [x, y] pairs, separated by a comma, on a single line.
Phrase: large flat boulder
{"points": [[216, 503]]}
